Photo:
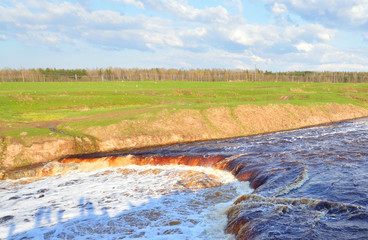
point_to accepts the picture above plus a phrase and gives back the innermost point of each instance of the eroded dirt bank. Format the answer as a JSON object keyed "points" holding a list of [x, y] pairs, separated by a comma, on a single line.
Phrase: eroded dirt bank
{"points": [[180, 126]]}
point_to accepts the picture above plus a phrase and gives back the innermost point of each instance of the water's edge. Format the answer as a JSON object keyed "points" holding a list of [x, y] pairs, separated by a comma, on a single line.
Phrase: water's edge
{"points": [[66, 150], [247, 121]]}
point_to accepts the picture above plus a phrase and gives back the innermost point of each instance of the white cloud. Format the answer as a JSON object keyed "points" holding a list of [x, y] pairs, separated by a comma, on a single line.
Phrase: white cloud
{"points": [[357, 14], [243, 37], [337, 13], [196, 32], [303, 46], [181, 9], [56, 23], [252, 35], [215, 58], [324, 57], [135, 3], [65, 23], [179, 33], [338, 67], [279, 8], [310, 33], [239, 5]]}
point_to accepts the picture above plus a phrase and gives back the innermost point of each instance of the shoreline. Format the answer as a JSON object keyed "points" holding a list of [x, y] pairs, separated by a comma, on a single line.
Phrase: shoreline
{"points": [[146, 148], [70, 149]]}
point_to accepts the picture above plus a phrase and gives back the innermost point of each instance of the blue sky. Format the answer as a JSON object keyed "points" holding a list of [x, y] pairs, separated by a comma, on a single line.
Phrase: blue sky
{"points": [[274, 35]]}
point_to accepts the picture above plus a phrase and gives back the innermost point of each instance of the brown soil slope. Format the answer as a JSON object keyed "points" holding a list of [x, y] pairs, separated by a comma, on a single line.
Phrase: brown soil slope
{"points": [[180, 126]]}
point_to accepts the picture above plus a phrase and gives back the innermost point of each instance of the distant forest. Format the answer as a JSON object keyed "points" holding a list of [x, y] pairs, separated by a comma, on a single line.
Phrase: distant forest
{"points": [[161, 74]]}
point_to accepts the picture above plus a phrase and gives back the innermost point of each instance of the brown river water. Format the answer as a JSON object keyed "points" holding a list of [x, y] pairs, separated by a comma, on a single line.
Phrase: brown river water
{"points": [[310, 183]]}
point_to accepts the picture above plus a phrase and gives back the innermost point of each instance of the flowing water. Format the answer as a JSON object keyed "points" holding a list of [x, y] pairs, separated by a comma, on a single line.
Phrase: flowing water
{"points": [[134, 202], [310, 183]]}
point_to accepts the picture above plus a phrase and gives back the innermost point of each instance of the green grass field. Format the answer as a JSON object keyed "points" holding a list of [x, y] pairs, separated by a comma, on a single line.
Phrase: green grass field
{"points": [[34, 107]]}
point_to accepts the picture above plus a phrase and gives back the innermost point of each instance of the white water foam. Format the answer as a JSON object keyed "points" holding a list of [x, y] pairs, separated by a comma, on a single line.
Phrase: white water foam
{"points": [[133, 202]]}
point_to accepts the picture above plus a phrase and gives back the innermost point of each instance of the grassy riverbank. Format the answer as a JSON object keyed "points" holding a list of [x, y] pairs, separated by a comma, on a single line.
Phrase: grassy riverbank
{"points": [[102, 116]]}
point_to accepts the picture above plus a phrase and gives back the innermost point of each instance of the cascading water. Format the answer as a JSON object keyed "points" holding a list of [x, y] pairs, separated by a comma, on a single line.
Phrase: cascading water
{"points": [[145, 202], [310, 183]]}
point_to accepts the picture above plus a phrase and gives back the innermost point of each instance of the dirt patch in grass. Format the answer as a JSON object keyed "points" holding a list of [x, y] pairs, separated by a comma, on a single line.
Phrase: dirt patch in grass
{"points": [[21, 97], [299, 90], [284, 97], [358, 98]]}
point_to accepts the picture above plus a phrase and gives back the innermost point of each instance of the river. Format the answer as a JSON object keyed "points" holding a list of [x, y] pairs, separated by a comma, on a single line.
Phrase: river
{"points": [[310, 183]]}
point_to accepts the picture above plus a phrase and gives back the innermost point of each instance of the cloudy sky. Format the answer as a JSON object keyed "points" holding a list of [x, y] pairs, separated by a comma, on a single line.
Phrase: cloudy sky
{"points": [[274, 35]]}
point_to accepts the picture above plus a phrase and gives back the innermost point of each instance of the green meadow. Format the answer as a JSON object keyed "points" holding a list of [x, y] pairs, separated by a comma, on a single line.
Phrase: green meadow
{"points": [[35, 107]]}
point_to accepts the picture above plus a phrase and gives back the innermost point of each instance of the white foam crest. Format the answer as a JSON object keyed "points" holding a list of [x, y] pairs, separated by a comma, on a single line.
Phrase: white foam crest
{"points": [[136, 201], [299, 181]]}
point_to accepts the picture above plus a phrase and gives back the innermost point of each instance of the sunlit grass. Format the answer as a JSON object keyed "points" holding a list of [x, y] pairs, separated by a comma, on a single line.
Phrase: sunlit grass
{"points": [[104, 103]]}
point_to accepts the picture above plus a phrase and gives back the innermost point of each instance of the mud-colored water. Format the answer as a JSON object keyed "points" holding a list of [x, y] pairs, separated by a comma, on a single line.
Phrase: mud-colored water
{"points": [[310, 183]]}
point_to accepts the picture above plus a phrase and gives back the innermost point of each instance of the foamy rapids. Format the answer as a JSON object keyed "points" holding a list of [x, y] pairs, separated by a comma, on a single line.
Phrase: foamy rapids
{"points": [[145, 202], [307, 184]]}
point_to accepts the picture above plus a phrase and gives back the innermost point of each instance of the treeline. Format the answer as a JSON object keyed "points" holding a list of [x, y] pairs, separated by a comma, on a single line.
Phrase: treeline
{"points": [[54, 73], [161, 74]]}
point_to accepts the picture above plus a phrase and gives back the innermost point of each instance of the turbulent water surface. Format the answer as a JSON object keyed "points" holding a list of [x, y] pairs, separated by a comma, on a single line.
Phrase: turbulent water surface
{"points": [[310, 183]]}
